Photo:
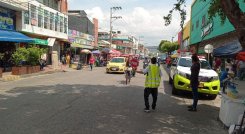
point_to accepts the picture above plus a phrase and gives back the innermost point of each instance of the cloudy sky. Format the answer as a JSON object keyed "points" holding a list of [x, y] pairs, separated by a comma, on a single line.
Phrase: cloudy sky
{"points": [[141, 18]]}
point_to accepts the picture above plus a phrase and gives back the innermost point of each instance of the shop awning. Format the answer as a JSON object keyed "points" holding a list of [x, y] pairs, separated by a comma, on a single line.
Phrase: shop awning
{"points": [[12, 36], [40, 42], [228, 50], [76, 45]]}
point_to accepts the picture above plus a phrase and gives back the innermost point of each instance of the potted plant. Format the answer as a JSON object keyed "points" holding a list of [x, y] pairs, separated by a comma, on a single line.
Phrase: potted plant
{"points": [[1, 69], [19, 57], [34, 58]]}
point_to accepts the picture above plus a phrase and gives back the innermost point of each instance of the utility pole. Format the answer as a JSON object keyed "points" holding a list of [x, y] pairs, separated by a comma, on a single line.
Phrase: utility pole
{"points": [[111, 20]]}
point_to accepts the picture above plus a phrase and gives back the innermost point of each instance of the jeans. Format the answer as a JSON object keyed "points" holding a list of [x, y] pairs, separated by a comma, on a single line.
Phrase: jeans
{"points": [[91, 66], [195, 96], [154, 93]]}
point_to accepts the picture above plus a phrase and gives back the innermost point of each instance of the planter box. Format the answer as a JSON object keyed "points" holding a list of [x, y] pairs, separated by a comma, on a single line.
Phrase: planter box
{"points": [[1, 72], [19, 70], [29, 69], [36, 69]]}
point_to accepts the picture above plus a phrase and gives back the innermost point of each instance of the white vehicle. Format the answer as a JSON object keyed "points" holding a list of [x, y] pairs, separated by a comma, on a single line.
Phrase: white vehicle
{"points": [[180, 73]]}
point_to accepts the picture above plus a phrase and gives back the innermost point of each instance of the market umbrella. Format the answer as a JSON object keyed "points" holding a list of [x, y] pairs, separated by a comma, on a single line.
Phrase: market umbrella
{"points": [[96, 52], [85, 51], [106, 50]]}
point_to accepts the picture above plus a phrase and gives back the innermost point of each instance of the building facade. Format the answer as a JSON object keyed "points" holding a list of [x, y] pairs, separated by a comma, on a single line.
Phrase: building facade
{"points": [[205, 31], [43, 20]]}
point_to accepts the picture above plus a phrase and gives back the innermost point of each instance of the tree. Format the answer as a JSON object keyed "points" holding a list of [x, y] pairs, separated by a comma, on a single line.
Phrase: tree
{"points": [[167, 46], [225, 9]]}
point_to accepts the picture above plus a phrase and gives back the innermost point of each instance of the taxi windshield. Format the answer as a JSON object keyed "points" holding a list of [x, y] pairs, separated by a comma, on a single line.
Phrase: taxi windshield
{"points": [[117, 60], [184, 62]]}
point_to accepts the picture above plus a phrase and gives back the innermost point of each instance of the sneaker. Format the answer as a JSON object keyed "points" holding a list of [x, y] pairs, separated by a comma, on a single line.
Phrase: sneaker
{"points": [[147, 110], [192, 109]]}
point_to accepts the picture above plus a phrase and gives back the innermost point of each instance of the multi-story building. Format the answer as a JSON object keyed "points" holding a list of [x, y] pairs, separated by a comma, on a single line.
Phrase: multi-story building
{"points": [[79, 21], [184, 39], [47, 23], [123, 43], [205, 31]]}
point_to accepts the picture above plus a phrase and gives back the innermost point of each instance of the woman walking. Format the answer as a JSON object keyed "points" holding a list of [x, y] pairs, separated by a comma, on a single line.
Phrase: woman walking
{"points": [[91, 62]]}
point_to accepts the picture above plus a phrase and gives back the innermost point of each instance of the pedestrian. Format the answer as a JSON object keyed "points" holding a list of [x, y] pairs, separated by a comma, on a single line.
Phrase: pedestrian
{"points": [[194, 83], [91, 62], [134, 63], [43, 61], [241, 69], [153, 77], [63, 61]]}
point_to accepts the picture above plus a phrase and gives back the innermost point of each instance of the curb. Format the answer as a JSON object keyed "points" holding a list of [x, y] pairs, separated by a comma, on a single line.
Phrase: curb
{"points": [[18, 77]]}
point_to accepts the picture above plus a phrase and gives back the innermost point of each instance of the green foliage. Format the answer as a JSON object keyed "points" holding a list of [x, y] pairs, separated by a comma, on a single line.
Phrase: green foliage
{"points": [[21, 54], [214, 10], [179, 7], [30, 55], [34, 56], [167, 46]]}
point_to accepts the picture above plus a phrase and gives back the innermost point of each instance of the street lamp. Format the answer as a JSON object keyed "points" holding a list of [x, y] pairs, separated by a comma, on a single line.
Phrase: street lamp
{"points": [[113, 18]]}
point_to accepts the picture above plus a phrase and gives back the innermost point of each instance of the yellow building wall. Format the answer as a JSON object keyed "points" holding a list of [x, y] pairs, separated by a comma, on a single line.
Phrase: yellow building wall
{"points": [[186, 31]]}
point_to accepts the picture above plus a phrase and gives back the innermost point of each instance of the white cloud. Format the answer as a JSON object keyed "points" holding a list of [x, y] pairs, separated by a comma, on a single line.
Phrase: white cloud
{"points": [[141, 22]]}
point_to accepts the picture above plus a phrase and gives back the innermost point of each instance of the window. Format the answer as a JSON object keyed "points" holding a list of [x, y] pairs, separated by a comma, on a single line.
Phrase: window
{"points": [[61, 24], [51, 21], [40, 17], [33, 15], [197, 23], [57, 23], [26, 17], [46, 19], [65, 25], [203, 20]]}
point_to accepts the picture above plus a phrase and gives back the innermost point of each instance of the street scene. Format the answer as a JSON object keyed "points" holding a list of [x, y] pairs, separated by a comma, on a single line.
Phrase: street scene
{"points": [[122, 67], [80, 102]]}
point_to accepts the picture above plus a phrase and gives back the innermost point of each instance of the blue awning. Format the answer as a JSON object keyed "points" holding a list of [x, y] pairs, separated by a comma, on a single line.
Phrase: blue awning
{"points": [[12, 36], [228, 50]]}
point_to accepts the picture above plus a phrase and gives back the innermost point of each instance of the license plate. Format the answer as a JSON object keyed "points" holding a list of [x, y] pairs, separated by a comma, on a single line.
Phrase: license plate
{"points": [[113, 69], [201, 85]]}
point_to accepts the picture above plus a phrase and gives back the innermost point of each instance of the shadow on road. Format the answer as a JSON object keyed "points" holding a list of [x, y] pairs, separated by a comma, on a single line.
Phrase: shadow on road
{"points": [[76, 109]]}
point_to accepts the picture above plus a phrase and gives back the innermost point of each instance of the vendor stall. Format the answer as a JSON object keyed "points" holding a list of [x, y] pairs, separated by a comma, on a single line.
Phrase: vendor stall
{"points": [[232, 104]]}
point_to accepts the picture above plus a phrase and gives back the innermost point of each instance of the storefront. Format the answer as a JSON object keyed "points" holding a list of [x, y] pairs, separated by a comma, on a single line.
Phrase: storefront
{"points": [[10, 39], [78, 43]]}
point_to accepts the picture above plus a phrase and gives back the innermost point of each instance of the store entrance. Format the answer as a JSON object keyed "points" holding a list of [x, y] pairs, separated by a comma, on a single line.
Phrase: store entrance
{"points": [[6, 50]]}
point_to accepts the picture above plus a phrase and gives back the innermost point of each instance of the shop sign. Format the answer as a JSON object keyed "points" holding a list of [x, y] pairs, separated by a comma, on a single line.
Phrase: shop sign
{"points": [[207, 30], [7, 19]]}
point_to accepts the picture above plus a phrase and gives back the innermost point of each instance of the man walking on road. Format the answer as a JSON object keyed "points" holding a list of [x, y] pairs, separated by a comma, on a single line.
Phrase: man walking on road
{"points": [[153, 77], [195, 69]]}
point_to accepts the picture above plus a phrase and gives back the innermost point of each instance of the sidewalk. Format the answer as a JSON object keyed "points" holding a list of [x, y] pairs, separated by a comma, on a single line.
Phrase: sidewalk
{"points": [[240, 88], [7, 76]]}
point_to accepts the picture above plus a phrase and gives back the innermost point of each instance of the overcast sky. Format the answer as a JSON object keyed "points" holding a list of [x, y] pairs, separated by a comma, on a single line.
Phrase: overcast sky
{"points": [[141, 18]]}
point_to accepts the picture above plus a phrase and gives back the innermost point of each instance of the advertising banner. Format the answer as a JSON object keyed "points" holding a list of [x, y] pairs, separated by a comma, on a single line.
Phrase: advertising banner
{"points": [[7, 19]]}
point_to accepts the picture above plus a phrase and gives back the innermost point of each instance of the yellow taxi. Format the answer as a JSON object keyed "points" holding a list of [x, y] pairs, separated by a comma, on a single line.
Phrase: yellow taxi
{"points": [[116, 64]]}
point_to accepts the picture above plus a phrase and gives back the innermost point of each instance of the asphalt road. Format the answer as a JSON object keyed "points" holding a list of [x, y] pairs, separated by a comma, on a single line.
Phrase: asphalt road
{"points": [[93, 102]]}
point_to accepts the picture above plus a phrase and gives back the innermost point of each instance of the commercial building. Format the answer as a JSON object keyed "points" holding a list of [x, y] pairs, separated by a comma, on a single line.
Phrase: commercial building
{"points": [[43, 20], [10, 39], [184, 39], [205, 31]]}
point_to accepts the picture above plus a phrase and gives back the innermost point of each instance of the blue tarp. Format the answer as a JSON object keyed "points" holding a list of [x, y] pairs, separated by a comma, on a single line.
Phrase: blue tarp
{"points": [[12, 36], [229, 49]]}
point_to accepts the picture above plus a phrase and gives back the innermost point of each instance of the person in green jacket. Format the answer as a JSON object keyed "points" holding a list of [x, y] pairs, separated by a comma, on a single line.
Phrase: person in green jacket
{"points": [[153, 77]]}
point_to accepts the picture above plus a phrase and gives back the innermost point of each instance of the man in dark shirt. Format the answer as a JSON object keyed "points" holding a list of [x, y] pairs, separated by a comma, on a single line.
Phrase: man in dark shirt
{"points": [[195, 69]]}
